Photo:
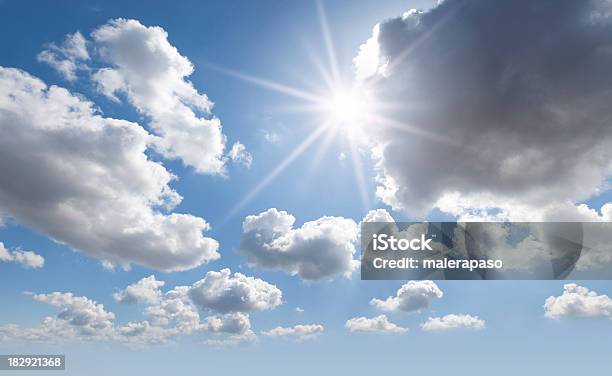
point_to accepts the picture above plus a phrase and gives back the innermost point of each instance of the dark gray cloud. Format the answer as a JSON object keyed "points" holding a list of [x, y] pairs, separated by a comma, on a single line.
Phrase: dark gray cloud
{"points": [[515, 97]]}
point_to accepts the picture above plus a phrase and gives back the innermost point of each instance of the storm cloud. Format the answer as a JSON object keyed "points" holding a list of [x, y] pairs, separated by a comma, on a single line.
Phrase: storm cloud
{"points": [[498, 103]]}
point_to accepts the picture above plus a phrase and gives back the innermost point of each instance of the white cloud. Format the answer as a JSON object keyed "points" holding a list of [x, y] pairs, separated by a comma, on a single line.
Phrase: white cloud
{"points": [[271, 136], [412, 296], [453, 321], [27, 259], [321, 249], [239, 154], [368, 61], [500, 128], [300, 332], [177, 310], [578, 302], [233, 323], [147, 290], [221, 292], [169, 315], [68, 57], [378, 215], [233, 340], [90, 184], [152, 74], [86, 315], [378, 324], [299, 309]]}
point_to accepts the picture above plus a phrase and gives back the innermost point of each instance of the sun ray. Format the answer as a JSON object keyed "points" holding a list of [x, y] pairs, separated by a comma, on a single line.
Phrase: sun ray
{"points": [[277, 170], [323, 147], [329, 43], [391, 123], [275, 86], [325, 74], [359, 177]]}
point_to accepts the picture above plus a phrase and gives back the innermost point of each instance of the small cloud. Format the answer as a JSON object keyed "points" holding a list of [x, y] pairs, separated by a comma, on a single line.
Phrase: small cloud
{"points": [[299, 310], [341, 156], [68, 57], [300, 332], [578, 302], [322, 249], [147, 290], [412, 296], [26, 259], [271, 136], [379, 324], [453, 322], [239, 154]]}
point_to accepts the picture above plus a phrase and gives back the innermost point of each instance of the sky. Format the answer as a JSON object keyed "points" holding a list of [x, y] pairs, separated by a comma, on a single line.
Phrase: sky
{"points": [[182, 184]]}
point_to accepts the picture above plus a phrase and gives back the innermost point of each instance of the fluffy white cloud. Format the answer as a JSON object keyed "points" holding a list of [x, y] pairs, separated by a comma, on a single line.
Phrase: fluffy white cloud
{"points": [[221, 292], [453, 321], [378, 215], [233, 323], [90, 184], [152, 75], [27, 259], [300, 332], [378, 324], [82, 319], [68, 57], [86, 315], [169, 315], [578, 302], [175, 309], [369, 61], [147, 290], [499, 127], [321, 249], [412, 296], [239, 154]]}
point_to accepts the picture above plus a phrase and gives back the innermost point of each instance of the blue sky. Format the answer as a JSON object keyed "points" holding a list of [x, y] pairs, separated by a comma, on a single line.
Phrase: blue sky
{"points": [[274, 40]]}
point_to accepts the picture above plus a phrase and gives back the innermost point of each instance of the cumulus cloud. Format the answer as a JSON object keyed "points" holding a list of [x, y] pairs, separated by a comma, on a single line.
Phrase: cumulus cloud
{"points": [[68, 57], [152, 74], [378, 324], [320, 249], [378, 215], [300, 332], [453, 321], [578, 302], [175, 309], [83, 319], [369, 61], [147, 290], [169, 315], [510, 115], [233, 323], [80, 312], [27, 259], [239, 154], [90, 184], [222, 292], [412, 296]]}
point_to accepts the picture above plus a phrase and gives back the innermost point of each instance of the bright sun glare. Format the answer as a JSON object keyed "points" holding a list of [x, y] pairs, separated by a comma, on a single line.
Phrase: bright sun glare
{"points": [[348, 109]]}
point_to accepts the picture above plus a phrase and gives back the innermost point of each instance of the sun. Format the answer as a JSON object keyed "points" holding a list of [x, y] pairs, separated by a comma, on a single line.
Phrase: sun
{"points": [[348, 109]]}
